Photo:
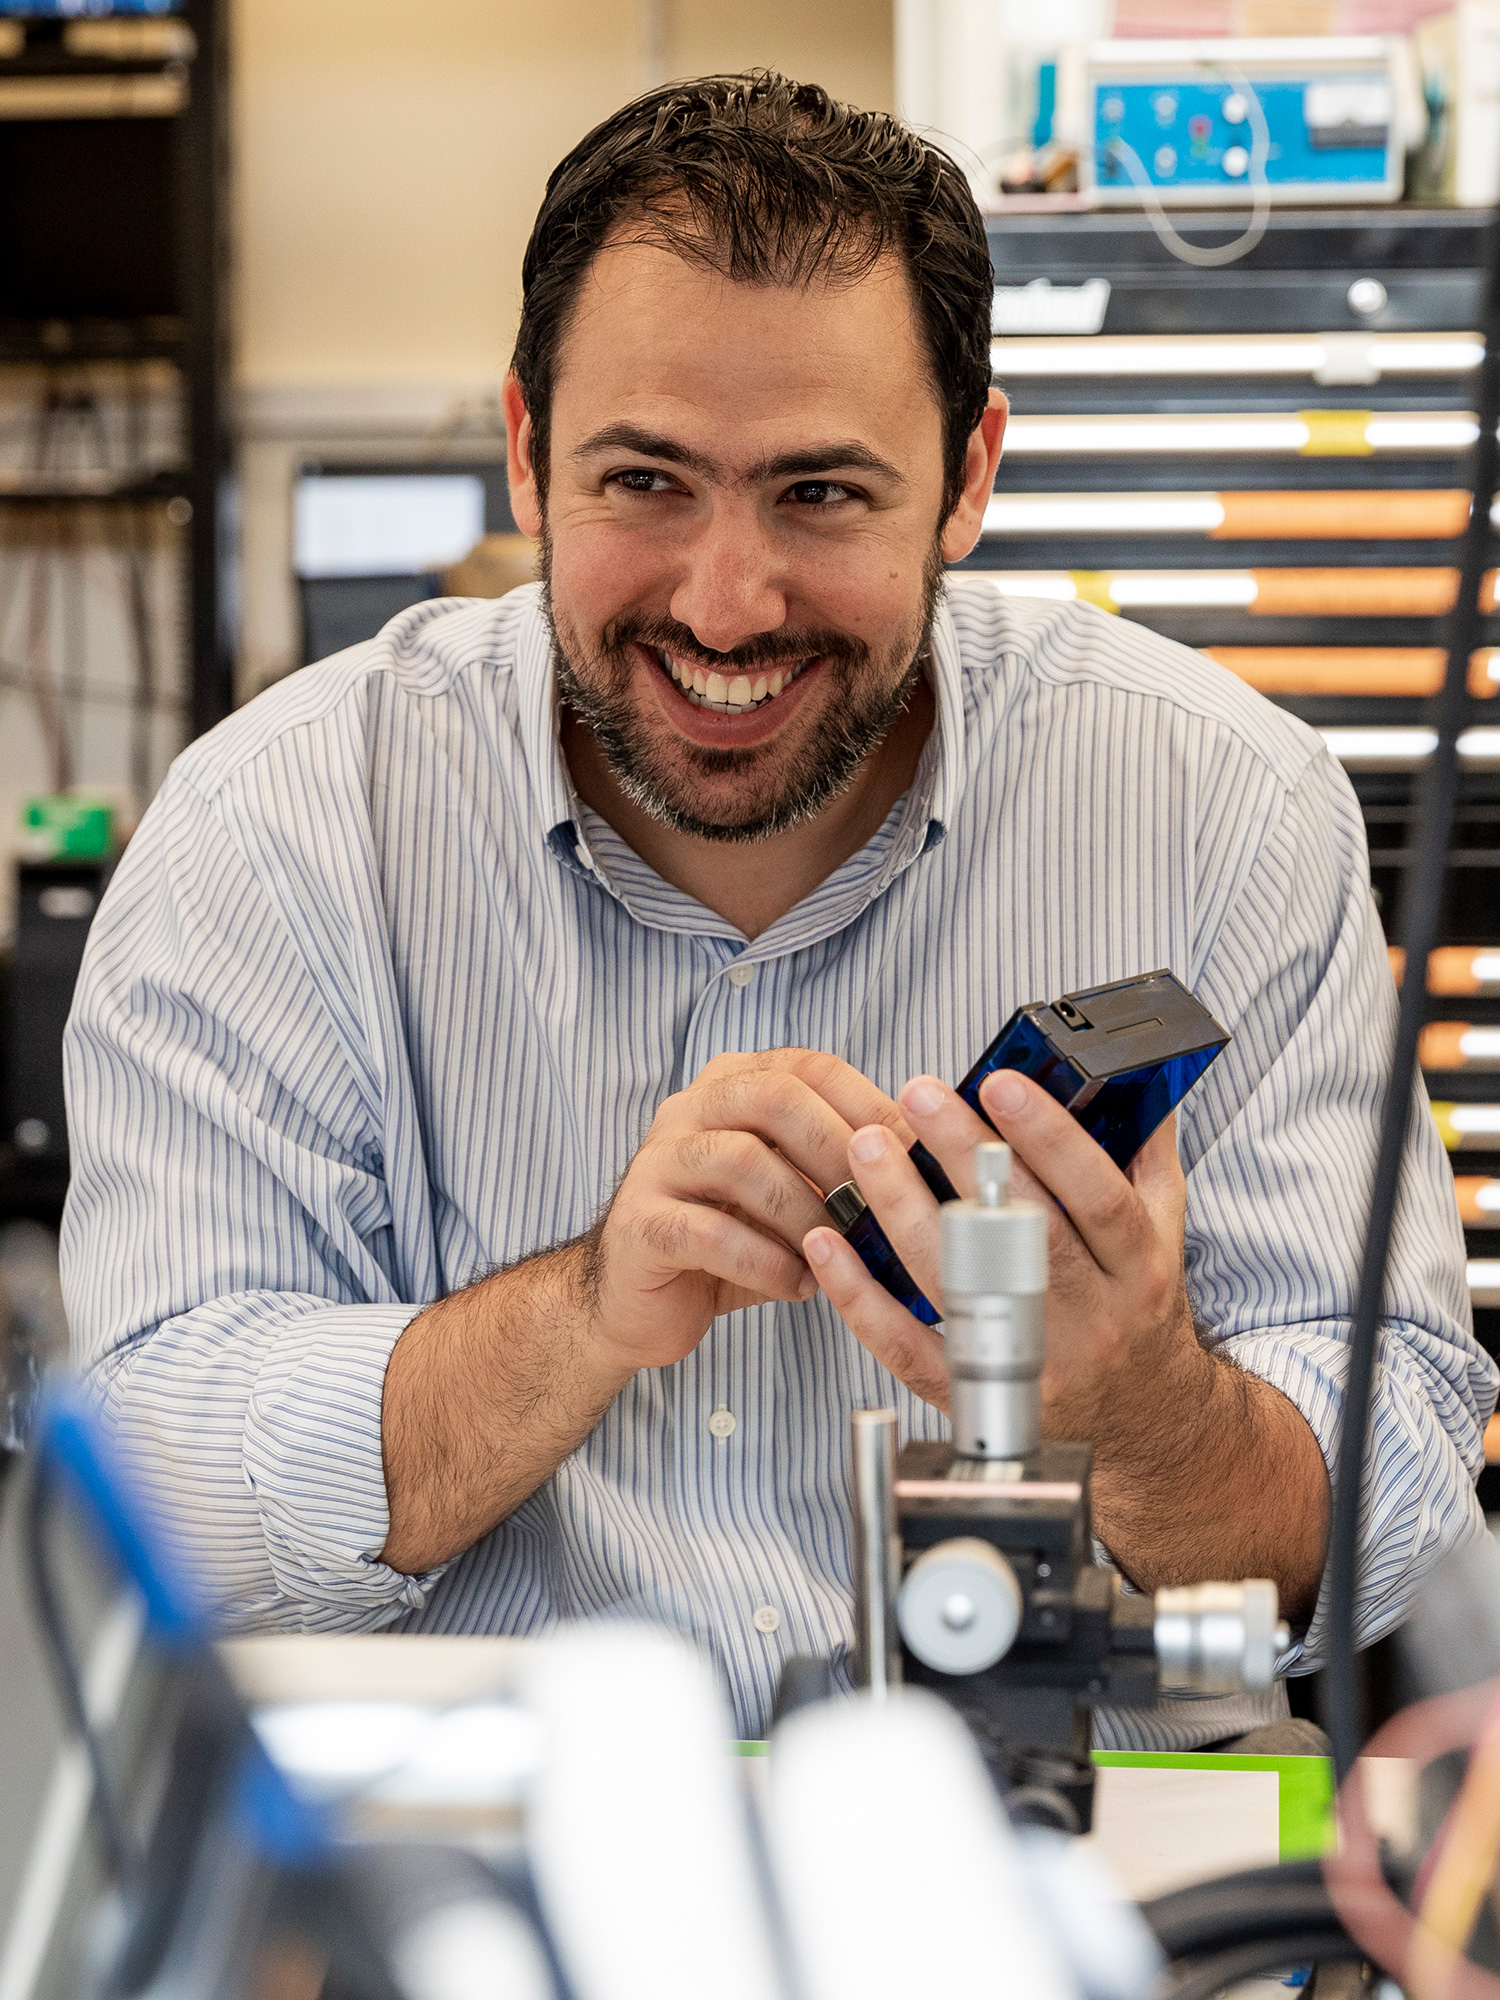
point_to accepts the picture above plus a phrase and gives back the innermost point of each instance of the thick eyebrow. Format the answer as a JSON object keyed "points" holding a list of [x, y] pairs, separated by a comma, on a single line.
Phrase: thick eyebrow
{"points": [[823, 458], [628, 437], [816, 460]]}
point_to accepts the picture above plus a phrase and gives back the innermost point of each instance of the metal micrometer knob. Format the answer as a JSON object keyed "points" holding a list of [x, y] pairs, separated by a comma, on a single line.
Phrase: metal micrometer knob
{"points": [[994, 1265], [1219, 1638], [960, 1606]]}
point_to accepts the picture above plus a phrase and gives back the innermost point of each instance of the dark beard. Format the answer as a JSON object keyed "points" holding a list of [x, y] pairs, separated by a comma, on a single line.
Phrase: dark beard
{"points": [[860, 714]]}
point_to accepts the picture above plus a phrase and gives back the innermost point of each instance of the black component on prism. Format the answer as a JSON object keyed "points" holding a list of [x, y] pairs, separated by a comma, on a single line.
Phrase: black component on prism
{"points": [[973, 1564], [1080, 1643]]}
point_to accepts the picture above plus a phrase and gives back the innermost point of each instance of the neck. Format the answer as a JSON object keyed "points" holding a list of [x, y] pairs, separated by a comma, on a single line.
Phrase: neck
{"points": [[752, 883]]}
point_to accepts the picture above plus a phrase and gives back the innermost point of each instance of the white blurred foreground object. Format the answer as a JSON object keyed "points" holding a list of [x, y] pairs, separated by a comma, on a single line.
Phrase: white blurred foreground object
{"points": [[1110, 1948], [471, 1951], [897, 1871], [638, 1830], [888, 1865]]}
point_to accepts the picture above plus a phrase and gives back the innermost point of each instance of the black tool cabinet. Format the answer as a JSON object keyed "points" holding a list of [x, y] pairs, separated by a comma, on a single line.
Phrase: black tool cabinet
{"points": [[115, 248], [1405, 271], [114, 261]]}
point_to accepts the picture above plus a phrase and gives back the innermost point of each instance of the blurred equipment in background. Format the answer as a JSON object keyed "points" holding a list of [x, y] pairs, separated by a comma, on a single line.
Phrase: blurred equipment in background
{"points": [[1265, 462], [1168, 103], [55, 905], [116, 471], [1219, 122], [113, 249], [495, 565], [370, 540], [33, 1329]]}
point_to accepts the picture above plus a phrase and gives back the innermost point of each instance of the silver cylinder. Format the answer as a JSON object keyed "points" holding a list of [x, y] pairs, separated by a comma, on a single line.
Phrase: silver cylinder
{"points": [[960, 1607], [877, 1551], [1219, 1638], [994, 1265]]}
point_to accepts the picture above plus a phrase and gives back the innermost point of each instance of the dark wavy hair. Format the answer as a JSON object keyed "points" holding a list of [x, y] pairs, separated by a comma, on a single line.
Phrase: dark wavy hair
{"points": [[769, 182]]}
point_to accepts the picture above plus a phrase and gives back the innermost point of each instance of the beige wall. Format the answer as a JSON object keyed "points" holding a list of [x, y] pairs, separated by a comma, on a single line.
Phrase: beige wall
{"points": [[389, 156]]}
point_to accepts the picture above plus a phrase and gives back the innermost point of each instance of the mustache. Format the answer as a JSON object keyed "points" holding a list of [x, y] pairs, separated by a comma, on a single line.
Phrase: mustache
{"points": [[769, 650]]}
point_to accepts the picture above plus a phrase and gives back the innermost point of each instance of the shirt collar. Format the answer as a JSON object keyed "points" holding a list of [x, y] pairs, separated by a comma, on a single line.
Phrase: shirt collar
{"points": [[925, 810], [536, 697], [938, 785]]}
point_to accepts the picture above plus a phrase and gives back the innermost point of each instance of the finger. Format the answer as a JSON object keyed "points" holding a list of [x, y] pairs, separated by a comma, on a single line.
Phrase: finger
{"points": [[1157, 1177], [947, 1127], [737, 1171], [677, 1236], [1156, 1166], [950, 1131], [1100, 1202], [842, 1088], [778, 1107], [851, 1094], [912, 1352], [902, 1202]]}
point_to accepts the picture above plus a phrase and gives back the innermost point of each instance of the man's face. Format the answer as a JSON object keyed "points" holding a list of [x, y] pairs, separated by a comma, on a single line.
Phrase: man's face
{"points": [[741, 531]]}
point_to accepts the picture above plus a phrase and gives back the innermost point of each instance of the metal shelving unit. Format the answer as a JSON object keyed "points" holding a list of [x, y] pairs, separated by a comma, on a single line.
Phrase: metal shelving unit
{"points": [[114, 328], [1321, 324], [176, 135]]}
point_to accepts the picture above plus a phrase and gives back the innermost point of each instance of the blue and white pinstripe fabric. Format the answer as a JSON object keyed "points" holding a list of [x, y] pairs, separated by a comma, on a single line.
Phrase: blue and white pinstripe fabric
{"points": [[374, 1004]]}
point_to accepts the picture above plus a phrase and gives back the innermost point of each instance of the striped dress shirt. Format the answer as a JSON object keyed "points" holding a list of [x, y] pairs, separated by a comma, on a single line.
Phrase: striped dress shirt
{"points": [[375, 1004]]}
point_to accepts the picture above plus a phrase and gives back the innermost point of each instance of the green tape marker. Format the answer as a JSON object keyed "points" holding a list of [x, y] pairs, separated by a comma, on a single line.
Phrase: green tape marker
{"points": [[1304, 1792]]}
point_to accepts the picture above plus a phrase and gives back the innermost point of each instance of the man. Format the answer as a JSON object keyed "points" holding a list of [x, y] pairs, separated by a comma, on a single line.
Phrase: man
{"points": [[477, 1019]]}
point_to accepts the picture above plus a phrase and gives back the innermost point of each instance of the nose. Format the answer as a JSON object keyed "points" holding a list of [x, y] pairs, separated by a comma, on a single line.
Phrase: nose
{"points": [[730, 590]]}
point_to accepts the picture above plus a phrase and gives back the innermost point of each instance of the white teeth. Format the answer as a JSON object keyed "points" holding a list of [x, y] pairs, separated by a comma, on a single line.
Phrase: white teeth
{"points": [[731, 696]]}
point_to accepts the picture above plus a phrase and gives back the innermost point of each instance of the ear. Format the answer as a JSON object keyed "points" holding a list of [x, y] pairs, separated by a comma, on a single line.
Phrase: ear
{"points": [[525, 500], [962, 528]]}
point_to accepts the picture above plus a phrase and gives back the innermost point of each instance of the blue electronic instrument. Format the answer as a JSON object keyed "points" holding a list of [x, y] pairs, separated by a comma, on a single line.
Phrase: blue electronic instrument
{"points": [[1222, 122]]}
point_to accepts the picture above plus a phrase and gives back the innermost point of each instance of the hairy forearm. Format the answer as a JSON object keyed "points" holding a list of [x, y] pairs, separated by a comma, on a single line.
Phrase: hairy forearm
{"points": [[486, 1393], [1218, 1478]]}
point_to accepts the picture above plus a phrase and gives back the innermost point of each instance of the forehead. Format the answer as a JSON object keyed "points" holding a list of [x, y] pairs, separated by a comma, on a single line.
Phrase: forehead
{"points": [[655, 331]]}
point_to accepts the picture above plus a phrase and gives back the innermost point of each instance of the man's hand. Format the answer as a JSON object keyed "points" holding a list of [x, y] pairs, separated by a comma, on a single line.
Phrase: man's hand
{"points": [[1116, 1302], [489, 1390], [713, 1211], [1200, 1470]]}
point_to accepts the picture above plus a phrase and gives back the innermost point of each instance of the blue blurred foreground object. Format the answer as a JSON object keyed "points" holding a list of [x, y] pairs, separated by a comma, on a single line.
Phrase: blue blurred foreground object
{"points": [[197, 1833], [72, 1447]]}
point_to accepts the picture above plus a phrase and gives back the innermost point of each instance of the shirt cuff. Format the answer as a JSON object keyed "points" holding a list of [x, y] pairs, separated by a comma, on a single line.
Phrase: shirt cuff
{"points": [[313, 1461], [1418, 1501]]}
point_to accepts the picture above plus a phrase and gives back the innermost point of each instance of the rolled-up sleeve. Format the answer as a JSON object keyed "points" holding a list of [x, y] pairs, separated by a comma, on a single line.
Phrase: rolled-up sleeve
{"points": [[234, 1278], [1280, 1146]]}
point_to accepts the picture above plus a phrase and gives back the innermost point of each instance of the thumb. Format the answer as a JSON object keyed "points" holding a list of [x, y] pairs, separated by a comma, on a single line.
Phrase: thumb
{"points": [[1157, 1177]]}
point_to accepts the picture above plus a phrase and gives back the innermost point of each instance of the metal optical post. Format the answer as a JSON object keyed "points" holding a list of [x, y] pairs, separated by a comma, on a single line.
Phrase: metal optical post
{"points": [[877, 1551], [1001, 1607], [996, 1340]]}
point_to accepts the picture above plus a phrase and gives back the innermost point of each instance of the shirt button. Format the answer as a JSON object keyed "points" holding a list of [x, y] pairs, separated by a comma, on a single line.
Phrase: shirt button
{"points": [[766, 1619], [722, 1423], [741, 975]]}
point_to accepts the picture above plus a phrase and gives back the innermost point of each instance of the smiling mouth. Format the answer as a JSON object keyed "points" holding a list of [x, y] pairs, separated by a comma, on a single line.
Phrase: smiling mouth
{"points": [[728, 694]]}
